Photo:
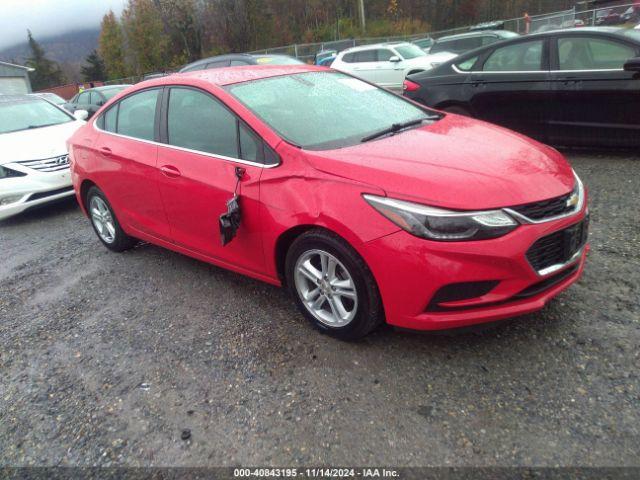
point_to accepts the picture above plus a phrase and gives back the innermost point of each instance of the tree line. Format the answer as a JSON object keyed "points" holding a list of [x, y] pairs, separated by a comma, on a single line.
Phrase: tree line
{"points": [[154, 35]]}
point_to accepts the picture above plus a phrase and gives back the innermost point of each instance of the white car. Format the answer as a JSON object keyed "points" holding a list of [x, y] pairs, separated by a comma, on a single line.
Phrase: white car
{"points": [[34, 162], [449, 47], [385, 64]]}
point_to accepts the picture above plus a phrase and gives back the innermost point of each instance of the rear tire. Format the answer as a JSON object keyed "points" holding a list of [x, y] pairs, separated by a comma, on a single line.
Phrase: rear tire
{"points": [[332, 285], [105, 224], [458, 110]]}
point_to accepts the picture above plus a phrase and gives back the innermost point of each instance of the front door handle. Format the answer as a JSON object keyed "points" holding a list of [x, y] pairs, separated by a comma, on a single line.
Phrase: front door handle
{"points": [[170, 171], [106, 151]]}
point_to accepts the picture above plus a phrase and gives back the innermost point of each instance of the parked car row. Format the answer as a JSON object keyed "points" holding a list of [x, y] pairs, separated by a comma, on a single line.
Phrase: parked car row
{"points": [[569, 87], [388, 64]]}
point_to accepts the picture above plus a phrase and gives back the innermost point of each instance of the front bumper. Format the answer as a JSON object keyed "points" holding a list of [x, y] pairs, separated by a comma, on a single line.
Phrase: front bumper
{"points": [[36, 188], [410, 271]]}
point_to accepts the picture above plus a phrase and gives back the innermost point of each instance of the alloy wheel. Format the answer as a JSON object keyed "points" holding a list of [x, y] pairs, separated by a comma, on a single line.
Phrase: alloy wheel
{"points": [[102, 219], [326, 288]]}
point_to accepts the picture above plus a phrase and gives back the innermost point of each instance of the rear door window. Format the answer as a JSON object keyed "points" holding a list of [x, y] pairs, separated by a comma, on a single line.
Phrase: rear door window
{"points": [[384, 54], [366, 56], [136, 115], [465, 44], [520, 57], [590, 53]]}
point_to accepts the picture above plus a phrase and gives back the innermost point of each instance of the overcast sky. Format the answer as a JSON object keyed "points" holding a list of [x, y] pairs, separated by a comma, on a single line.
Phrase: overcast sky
{"points": [[49, 17]]}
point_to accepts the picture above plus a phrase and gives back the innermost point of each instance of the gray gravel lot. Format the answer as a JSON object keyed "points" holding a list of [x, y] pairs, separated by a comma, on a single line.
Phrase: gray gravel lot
{"points": [[106, 358]]}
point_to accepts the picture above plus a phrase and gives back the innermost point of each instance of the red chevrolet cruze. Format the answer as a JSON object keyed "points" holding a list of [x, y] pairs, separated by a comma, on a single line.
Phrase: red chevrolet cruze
{"points": [[369, 207]]}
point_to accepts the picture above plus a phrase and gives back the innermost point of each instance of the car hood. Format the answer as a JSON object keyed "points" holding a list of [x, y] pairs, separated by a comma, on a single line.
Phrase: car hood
{"points": [[38, 143], [457, 163]]}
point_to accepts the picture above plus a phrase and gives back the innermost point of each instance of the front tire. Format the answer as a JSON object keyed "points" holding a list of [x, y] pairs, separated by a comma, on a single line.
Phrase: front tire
{"points": [[332, 285], [105, 223]]}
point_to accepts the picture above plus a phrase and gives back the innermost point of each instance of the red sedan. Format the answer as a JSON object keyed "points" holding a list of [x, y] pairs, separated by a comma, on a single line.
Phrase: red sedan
{"points": [[367, 206]]}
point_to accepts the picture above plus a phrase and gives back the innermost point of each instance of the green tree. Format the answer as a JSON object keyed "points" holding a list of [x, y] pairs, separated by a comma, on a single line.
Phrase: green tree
{"points": [[148, 44], [182, 23], [95, 69], [111, 47], [46, 72]]}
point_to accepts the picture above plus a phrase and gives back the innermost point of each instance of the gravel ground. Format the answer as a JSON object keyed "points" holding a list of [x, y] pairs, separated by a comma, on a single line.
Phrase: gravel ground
{"points": [[106, 359]]}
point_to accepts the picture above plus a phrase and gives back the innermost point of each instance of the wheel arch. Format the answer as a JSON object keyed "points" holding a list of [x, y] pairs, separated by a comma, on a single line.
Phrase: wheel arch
{"points": [[286, 239], [84, 189]]}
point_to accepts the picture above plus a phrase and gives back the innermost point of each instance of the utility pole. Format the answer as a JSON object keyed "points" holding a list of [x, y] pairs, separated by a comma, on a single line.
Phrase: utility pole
{"points": [[363, 22]]}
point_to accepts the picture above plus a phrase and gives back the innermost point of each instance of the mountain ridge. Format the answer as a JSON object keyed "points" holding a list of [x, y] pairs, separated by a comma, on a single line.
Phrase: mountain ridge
{"points": [[70, 47]]}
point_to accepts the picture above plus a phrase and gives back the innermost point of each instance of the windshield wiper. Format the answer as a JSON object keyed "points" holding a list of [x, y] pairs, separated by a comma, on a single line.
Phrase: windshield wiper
{"points": [[395, 128]]}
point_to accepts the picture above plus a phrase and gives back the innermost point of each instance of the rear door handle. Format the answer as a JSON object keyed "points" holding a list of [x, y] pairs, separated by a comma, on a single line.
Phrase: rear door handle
{"points": [[170, 171], [106, 151]]}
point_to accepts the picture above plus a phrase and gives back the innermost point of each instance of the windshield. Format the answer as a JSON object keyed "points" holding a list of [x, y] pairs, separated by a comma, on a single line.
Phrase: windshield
{"points": [[277, 60], [324, 110], [410, 51], [109, 93], [27, 114]]}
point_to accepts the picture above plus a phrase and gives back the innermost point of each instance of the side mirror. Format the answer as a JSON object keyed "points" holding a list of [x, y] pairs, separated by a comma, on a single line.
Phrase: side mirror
{"points": [[395, 59], [81, 114], [632, 65]]}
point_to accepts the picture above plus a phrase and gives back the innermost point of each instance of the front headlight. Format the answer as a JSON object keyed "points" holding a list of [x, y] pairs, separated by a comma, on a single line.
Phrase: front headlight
{"points": [[9, 199], [443, 225], [578, 190]]}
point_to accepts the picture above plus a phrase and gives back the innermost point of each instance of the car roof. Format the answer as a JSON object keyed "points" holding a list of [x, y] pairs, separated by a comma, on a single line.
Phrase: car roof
{"points": [[375, 45], [232, 56], [578, 31], [230, 75], [478, 33]]}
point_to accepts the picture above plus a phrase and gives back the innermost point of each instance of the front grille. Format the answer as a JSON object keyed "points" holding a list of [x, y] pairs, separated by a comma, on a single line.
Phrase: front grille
{"points": [[546, 208], [61, 162], [559, 247]]}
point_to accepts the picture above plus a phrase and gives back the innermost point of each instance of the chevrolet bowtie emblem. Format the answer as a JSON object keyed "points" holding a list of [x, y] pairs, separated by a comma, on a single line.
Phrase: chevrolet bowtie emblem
{"points": [[572, 201]]}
